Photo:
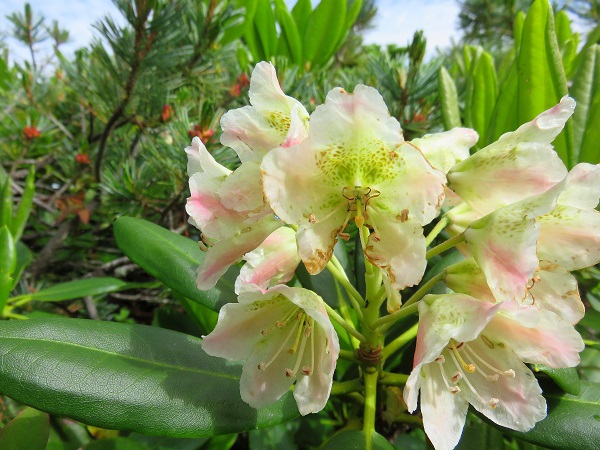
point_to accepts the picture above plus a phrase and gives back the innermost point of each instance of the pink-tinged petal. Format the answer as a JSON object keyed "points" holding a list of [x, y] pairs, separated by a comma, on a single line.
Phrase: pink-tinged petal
{"points": [[272, 263], [398, 248], [467, 278], [445, 150], [242, 190], [570, 237], [240, 325], [206, 209], [520, 404], [537, 336], [444, 413], [555, 289], [272, 120], [520, 164], [249, 133], [449, 316], [583, 191], [228, 251], [200, 160], [504, 243], [414, 188]]}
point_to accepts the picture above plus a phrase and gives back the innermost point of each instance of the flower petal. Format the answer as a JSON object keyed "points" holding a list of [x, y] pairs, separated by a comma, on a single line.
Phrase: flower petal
{"points": [[272, 263], [444, 413], [537, 336], [504, 243], [556, 290], [570, 237], [242, 190], [200, 160], [520, 164], [399, 248], [445, 150], [443, 317], [520, 401], [273, 119], [228, 251], [584, 188]]}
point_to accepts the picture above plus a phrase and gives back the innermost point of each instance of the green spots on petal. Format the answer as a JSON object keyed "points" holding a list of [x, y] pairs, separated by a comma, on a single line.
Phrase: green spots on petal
{"points": [[365, 161], [279, 121]]}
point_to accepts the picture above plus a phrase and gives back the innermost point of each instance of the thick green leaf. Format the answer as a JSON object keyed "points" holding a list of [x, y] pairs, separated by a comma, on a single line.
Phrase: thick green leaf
{"points": [[24, 258], [251, 36], [541, 77], [118, 443], [172, 259], [264, 23], [324, 27], [8, 264], [128, 377], [448, 100], [567, 379], [504, 118], [479, 435], [28, 431], [589, 146], [301, 13], [484, 94], [582, 90], [356, 440], [167, 443], [289, 32], [80, 288], [573, 422]]}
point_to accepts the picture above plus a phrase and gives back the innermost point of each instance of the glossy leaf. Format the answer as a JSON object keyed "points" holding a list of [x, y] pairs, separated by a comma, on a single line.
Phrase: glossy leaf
{"points": [[589, 145], [172, 259], [28, 431], [128, 377], [583, 90], [573, 422], [80, 288], [448, 100], [289, 32], [541, 77], [504, 118], [484, 94], [24, 258], [356, 440], [264, 23], [324, 27], [6, 204], [118, 443], [567, 379], [8, 264], [301, 13], [25, 204]]}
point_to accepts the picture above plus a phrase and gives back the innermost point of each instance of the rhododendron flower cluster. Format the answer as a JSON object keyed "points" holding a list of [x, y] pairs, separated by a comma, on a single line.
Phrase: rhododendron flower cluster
{"points": [[307, 184]]}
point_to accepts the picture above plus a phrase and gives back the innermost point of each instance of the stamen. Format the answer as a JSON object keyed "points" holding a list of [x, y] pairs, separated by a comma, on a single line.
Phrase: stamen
{"points": [[313, 219], [468, 367], [283, 344], [286, 319], [456, 377], [506, 373], [466, 380], [300, 353], [293, 349], [453, 389]]}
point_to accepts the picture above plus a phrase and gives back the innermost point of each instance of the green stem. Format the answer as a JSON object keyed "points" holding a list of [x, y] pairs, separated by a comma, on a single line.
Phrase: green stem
{"points": [[393, 379], [345, 387], [452, 242], [400, 342], [343, 280], [391, 318], [339, 319], [425, 288], [370, 379], [345, 313], [349, 355], [444, 221]]}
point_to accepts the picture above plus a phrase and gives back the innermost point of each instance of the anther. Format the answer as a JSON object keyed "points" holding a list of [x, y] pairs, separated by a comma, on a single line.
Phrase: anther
{"points": [[456, 377], [261, 366], [312, 218], [289, 373], [264, 332], [454, 389], [493, 403], [344, 236], [306, 370]]}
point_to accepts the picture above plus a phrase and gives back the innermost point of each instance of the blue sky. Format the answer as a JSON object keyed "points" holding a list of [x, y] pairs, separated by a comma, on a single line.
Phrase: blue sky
{"points": [[396, 21]]}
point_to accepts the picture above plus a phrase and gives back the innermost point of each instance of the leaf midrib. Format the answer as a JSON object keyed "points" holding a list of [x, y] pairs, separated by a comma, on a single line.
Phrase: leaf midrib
{"points": [[127, 357]]}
